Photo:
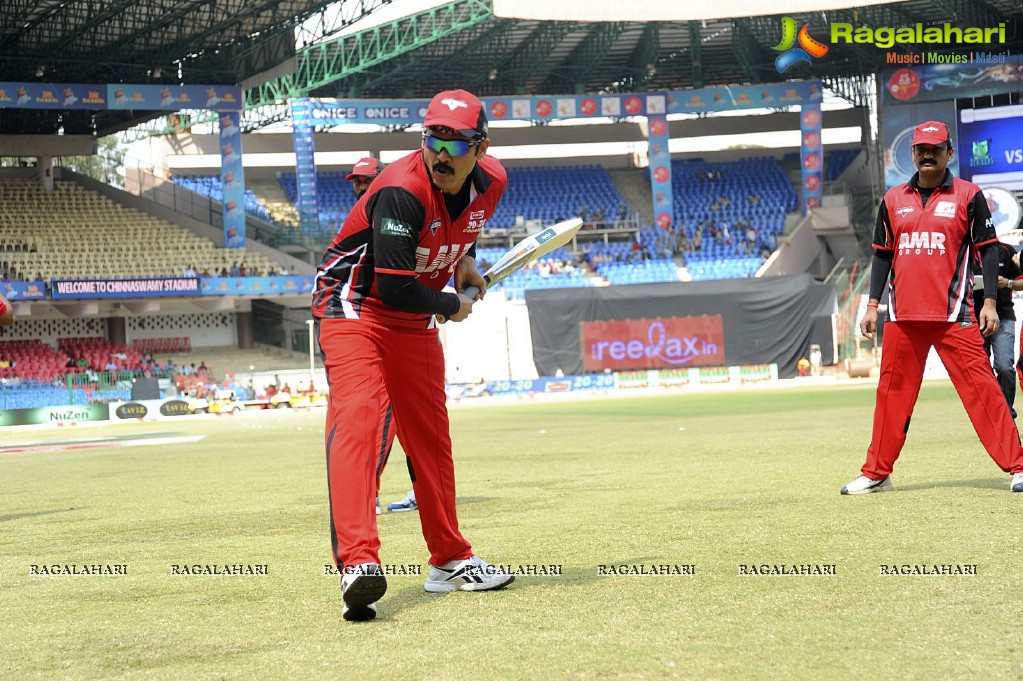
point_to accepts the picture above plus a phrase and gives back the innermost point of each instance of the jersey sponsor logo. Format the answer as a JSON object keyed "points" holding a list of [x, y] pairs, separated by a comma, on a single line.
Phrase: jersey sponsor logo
{"points": [[904, 211], [920, 242], [391, 227], [434, 226], [478, 215], [444, 261], [945, 209], [475, 226]]}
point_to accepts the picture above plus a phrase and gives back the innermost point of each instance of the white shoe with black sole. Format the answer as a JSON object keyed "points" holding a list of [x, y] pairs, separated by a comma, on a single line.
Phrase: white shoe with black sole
{"points": [[471, 574], [361, 588], [865, 485], [1016, 484]]}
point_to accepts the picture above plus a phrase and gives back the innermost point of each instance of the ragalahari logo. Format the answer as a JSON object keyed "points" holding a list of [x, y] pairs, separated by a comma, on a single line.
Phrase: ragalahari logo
{"points": [[792, 53]]}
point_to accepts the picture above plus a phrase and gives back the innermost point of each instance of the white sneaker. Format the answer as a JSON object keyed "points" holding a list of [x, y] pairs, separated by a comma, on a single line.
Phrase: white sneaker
{"points": [[864, 485], [361, 587], [378, 505], [1016, 484], [471, 574], [406, 504]]}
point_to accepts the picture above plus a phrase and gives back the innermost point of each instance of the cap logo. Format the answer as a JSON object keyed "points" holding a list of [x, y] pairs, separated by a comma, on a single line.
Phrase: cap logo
{"points": [[454, 103], [929, 128]]}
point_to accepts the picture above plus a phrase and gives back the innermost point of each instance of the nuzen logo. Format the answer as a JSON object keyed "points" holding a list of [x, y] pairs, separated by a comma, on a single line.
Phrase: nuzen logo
{"points": [[443, 262], [659, 344], [922, 242], [904, 211], [454, 103]]}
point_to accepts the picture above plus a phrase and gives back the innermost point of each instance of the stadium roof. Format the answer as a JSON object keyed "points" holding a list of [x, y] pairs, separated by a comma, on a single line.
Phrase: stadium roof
{"points": [[267, 46]]}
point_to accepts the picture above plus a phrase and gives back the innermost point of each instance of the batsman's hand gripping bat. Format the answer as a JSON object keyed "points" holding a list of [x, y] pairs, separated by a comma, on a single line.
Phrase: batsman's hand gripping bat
{"points": [[524, 252]]}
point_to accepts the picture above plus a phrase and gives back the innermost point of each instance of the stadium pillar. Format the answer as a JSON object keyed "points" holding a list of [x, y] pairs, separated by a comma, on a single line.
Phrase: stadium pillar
{"points": [[116, 331], [243, 322], [45, 171]]}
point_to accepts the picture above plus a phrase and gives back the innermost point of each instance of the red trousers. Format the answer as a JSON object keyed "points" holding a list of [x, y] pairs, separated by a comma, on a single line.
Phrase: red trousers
{"points": [[961, 349], [369, 364]]}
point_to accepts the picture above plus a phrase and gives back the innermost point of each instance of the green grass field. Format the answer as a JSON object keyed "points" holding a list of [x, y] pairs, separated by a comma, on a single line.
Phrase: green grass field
{"points": [[714, 480]]}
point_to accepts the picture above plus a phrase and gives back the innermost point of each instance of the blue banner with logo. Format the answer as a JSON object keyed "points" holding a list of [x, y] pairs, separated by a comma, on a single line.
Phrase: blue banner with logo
{"points": [[24, 290], [408, 112], [232, 177], [991, 146], [255, 286], [660, 171], [935, 82], [52, 96], [174, 97], [152, 287], [811, 154], [305, 164]]}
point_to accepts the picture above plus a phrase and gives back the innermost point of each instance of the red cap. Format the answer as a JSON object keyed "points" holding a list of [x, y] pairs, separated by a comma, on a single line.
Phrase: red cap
{"points": [[459, 110], [930, 132], [366, 167]]}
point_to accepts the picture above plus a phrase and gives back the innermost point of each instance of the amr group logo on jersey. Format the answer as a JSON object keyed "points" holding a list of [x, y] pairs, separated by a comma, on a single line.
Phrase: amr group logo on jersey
{"points": [[653, 343]]}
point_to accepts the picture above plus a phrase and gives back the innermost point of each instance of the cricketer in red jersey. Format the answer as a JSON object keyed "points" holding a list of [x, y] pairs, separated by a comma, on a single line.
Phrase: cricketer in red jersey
{"points": [[6, 312], [927, 230], [375, 295]]}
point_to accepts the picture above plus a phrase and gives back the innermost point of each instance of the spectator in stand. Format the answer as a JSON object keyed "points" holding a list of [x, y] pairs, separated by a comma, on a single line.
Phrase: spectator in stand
{"points": [[363, 174], [223, 272], [6, 311], [233, 272], [243, 271], [190, 271], [111, 365], [203, 371]]}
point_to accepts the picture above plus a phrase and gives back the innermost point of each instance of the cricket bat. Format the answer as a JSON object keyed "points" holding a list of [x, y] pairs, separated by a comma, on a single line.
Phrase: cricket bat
{"points": [[531, 248]]}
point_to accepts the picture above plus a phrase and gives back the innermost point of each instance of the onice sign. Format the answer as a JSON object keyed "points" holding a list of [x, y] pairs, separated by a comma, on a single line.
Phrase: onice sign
{"points": [[653, 343]]}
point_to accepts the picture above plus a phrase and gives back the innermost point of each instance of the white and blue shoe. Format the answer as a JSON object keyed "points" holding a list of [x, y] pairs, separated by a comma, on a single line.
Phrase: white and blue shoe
{"points": [[406, 504], [361, 587], [1016, 484], [865, 485], [471, 574]]}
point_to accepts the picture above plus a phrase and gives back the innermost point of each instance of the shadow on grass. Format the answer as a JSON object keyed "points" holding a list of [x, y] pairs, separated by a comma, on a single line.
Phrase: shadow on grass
{"points": [[976, 483], [34, 514]]}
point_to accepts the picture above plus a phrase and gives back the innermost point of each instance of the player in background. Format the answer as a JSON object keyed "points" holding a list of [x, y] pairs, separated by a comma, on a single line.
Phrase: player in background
{"points": [[1001, 345], [6, 311], [926, 231], [375, 295], [361, 177]]}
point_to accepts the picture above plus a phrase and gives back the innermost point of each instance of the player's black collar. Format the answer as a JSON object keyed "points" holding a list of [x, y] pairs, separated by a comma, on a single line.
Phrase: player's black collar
{"points": [[914, 182]]}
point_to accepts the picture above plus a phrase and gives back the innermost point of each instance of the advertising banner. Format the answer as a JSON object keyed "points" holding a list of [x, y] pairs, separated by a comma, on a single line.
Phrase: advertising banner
{"points": [[62, 414], [255, 286], [148, 409], [653, 343], [728, 98], [811, 153], [305, 165], [155, 287], [232, 177], [660, 171], [991, 146], [24, 290]]}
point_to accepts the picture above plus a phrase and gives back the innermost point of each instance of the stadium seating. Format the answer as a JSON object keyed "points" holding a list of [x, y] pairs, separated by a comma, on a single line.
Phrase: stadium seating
{"points": [[837, 161], [554, 194], [212, 187], [729, 214], [75, 233]]}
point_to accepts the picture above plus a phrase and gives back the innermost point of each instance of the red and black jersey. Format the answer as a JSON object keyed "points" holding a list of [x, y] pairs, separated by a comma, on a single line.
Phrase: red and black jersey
{"points": [[1006, 268], [932, 244], [401, 226]]}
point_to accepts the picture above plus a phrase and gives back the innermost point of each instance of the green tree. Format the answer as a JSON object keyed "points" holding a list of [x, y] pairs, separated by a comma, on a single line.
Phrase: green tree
{"points": [[103, 165]]}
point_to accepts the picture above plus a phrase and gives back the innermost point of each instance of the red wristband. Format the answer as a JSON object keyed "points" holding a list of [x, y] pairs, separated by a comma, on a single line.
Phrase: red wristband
{"points": [[3, 307]]}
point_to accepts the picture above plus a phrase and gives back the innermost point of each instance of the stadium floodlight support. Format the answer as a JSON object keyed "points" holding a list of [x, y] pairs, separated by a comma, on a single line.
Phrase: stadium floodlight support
{"points": [[318, 65]]}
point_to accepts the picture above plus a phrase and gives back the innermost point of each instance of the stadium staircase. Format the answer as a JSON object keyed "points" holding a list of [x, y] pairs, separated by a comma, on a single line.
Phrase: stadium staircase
{"points": [[634, 187]]}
